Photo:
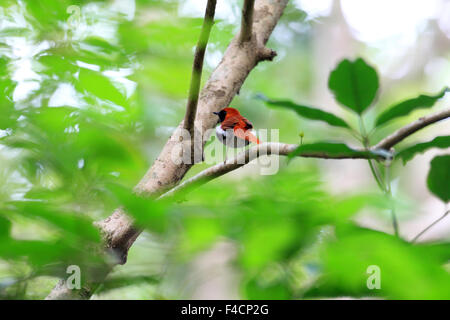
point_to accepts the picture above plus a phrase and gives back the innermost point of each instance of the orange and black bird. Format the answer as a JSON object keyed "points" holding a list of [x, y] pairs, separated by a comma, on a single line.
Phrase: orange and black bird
{"points": [[234, 130]]}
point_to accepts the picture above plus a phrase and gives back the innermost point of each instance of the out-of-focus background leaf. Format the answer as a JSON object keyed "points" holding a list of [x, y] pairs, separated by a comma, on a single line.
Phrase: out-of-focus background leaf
{"points": [[439, 176], [347, 259]]}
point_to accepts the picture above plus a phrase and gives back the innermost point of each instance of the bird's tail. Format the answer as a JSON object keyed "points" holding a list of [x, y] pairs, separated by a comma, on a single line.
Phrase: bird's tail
{"points": [[247, 135]]}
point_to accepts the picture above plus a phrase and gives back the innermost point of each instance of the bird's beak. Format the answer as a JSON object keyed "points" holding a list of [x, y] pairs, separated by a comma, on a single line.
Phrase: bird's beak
{"points": [[216, 113]]}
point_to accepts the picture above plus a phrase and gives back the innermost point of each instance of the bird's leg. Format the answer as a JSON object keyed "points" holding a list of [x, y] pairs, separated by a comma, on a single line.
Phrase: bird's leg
{"points": [[226, 154]]}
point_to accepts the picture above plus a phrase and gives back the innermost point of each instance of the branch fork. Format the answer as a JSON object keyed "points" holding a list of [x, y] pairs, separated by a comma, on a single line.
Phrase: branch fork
{"points": [[247, 37]]}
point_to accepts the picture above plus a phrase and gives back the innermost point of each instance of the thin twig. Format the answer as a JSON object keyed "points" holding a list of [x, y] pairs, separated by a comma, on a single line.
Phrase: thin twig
{"points": [[376, 175], [391, 200], [383, 184], [409, 129], [430, 226], [244, 157], [197, 67], [246, 21], [366, 143]]}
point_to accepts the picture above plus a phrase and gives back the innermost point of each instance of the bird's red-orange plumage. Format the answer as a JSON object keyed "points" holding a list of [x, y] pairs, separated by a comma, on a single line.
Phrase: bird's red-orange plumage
{"points": [[233, 120]]}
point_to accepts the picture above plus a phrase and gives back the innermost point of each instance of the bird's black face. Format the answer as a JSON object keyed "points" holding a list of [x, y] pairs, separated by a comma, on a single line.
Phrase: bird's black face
{"points": [[221, 115]]}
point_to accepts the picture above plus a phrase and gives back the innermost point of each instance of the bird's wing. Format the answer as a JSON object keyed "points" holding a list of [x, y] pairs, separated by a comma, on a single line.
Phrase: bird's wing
{"points": [[245, 134], [229, 123], [247, 123], [241, 128]]}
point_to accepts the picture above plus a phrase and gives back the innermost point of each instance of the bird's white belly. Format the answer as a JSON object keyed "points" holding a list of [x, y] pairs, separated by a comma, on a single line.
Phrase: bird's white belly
{"points": [[228, 138]]}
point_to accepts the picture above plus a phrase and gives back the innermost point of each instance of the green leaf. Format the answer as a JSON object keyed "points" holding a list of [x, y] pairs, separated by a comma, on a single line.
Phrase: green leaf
{"points": [[15, 32], [440, 251], [35, 252], [332, 149], [68, 222], [348, 265], [45, 253], [56, 63], [354, 84], [256, 289], [147, 212], [407, 106], [101, 86], [7, 86], [100, 43], [439, 177], [5, 227], [409, 153], [200, 232], [112, 283], [308, 112], [266, 244]]}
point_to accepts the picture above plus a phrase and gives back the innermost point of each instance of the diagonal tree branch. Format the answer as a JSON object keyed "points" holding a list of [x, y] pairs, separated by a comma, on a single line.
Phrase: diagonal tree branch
{"points": [[238, 60], [283, 149]]}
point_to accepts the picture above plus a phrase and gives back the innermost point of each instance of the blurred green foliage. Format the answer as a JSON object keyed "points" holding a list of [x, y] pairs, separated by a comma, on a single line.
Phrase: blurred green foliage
{"points": [[439, 176], [404, 275], [85, 111]]}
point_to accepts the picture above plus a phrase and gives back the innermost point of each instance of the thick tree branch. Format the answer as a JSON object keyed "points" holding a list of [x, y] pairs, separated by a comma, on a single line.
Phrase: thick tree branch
{"points": [[223, 84], [247, 21], [197, 67], [283, 149]]}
